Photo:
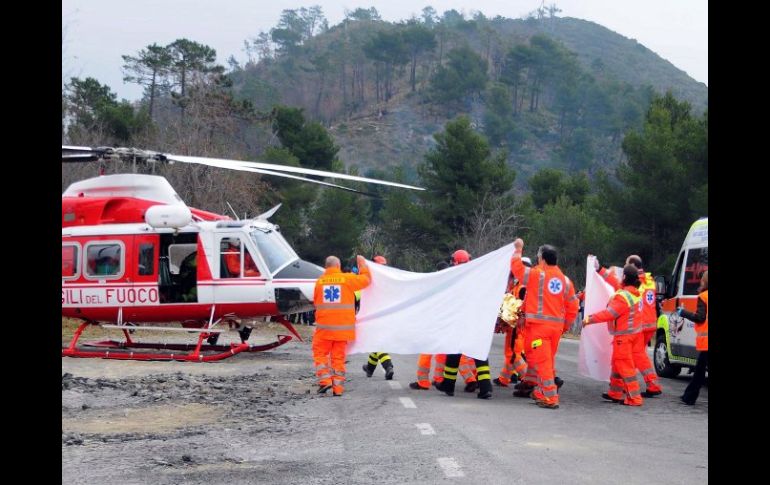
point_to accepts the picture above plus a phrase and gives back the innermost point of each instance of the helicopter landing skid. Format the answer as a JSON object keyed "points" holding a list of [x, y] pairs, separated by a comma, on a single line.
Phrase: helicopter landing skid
{"points": [[194, 352]]}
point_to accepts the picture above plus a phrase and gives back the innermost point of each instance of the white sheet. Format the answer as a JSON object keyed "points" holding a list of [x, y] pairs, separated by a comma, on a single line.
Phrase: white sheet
{"points": [[595, 349], [452, 311]]}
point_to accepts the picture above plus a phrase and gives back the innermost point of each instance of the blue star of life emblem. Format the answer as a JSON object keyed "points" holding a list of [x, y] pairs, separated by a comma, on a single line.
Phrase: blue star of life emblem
{"points": [[649, 296], [332, 293], [554, 286]]}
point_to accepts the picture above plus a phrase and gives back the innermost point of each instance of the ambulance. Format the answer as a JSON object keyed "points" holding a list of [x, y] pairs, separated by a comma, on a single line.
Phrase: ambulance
{"points": [[675, 335]]}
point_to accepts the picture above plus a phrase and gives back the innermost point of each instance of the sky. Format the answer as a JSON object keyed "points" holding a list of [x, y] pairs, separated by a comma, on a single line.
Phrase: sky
{"points": [[95, 33]]}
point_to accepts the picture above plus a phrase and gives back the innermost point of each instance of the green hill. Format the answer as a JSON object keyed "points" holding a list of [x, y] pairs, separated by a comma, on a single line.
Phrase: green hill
{"points": [[579, 87]]}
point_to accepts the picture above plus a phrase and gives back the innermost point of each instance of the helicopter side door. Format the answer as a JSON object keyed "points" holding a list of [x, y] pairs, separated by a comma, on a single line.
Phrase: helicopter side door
{"points": [[238, 273]]}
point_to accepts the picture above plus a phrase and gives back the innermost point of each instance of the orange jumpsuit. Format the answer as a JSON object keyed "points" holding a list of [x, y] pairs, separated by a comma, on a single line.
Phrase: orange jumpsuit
{"points": [[550, 307], [233, 261], [622, 314], [647, 324], [335, 317], [513, 347]]}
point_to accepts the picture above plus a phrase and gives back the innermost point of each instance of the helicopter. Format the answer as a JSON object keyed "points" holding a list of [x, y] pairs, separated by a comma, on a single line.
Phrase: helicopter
{"points": [[135, 255]]}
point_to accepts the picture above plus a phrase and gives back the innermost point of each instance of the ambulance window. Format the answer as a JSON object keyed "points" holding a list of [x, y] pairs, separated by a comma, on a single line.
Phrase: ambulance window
{"points": [[70, 261], [673, 288], [104, 259], [697, 264], [146, 259]]}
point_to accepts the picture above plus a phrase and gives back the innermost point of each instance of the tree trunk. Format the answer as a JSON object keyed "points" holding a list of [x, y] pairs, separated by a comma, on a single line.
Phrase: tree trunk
{"points": [[152, 92], [320, 94], [414, 68]]}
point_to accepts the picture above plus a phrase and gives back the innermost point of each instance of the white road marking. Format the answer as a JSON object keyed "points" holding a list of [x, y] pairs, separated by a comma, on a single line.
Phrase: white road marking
{"points": [[394, 384], [425, 428], [450, 467], [408, 403]]}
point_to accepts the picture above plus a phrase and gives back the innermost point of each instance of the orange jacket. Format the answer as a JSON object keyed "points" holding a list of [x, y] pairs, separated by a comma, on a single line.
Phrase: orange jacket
{"points": [[649, 317], [335, 302], [701, 319], [622, 312], [550, 297], [233, 261]]}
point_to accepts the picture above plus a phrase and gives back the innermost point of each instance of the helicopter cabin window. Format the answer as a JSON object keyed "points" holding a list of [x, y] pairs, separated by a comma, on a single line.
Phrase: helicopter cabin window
{"points": [[146, 260], [273, 248], [70, 259], [104, 260], [236, 259]]}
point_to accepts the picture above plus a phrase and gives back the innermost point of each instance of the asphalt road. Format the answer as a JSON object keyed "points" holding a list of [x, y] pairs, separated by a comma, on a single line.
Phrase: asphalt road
{"points": [[384, 432], [381, 432]]}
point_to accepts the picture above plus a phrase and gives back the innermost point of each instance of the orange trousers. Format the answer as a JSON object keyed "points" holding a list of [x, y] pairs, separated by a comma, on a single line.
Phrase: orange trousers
{"points": [[623, 383], [329, 360], [541, 341], [423, 369], [519, 364], [514, 363], [642, 361], [467, 369]]}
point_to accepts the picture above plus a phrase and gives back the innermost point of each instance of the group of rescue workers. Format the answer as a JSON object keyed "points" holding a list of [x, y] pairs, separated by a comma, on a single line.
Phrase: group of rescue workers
{"points": [[550, 305]]}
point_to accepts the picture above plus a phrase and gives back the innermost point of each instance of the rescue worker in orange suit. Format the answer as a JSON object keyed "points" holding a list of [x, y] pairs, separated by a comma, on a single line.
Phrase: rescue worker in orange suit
{"points": [[514, 366], [459, 362], [232, 258], [529, 379], [467, 369], [549, 309], [701, 320], [335, 315], [375, 358], [622, 314], [648, 322]]}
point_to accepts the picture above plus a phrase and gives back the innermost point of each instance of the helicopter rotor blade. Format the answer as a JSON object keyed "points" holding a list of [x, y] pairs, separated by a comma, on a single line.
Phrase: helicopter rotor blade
{"points": [[79, 157], [217, 164], [85, 154], [287, 168]]}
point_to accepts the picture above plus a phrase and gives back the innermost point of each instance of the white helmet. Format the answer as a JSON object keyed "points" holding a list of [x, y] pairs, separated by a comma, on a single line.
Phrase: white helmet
{"points": [[526, 261]]}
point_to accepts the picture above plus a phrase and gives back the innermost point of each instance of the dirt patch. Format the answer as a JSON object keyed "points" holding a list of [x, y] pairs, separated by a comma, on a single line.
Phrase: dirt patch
{"points": [[155, 419]]}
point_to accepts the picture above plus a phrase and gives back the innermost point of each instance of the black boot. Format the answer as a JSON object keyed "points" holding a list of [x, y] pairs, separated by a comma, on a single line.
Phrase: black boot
{"points": [[388, 370], [471, 386], [369, 369], [447, 386], [485, 389], [559, 382]]}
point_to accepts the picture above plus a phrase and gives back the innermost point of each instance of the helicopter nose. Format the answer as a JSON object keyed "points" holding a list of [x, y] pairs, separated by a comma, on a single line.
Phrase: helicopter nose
{"points": [[300, 270], [294, 286]]}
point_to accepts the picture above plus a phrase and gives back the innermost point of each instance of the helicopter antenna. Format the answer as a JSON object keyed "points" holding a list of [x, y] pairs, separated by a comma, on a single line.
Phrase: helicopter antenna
{"points": [[265, 216], [233, 211]]}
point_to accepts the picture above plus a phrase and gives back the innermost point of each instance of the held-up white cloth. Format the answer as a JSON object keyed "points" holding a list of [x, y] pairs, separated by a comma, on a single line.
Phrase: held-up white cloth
{"points": [[595, 349], [452, 311]]}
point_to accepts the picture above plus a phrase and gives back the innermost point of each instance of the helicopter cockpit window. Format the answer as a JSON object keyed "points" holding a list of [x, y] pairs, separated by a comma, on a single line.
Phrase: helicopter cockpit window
{"points": [[273, 248], [236, 261], [104, 259], [70, 259]]}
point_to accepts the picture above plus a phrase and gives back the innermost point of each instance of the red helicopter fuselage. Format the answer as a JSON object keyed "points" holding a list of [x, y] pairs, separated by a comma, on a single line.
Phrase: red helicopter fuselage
{"points": [[133, 252]]}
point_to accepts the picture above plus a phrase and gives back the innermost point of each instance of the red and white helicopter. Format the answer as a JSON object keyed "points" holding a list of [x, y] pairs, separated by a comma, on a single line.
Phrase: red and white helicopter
{"points": [[134, 253]]}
